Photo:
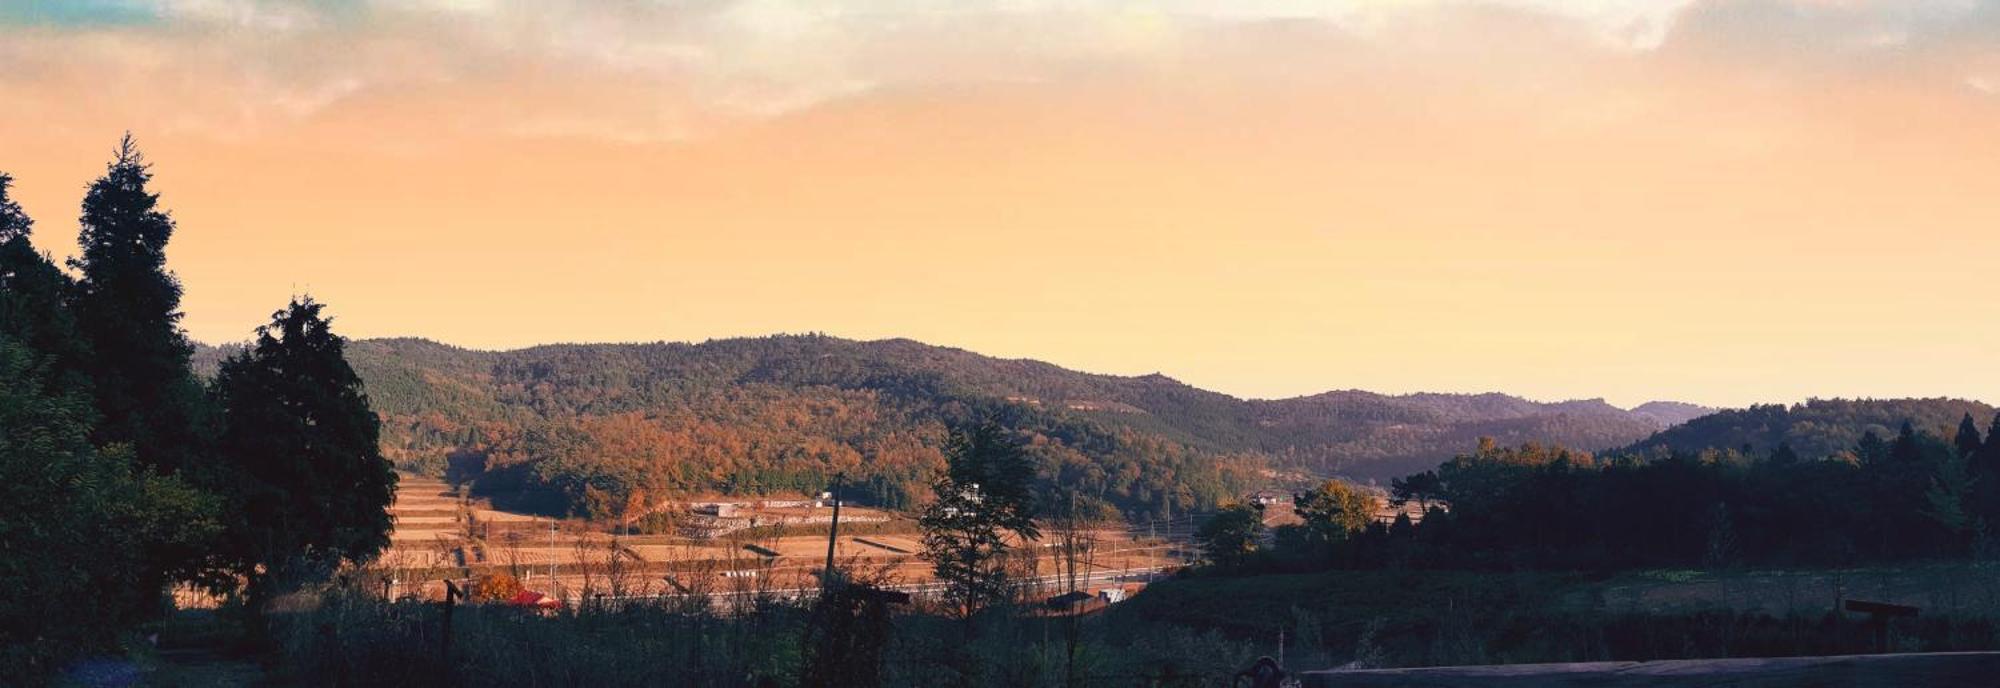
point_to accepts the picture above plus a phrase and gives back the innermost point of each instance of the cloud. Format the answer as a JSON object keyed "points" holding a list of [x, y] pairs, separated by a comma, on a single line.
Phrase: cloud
{"points": [[75, 13], [630, 71]]}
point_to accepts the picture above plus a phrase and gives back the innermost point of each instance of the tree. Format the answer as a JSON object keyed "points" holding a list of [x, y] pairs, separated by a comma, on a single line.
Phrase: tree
{"points": [[1967, 440], [129, 309], [984, 494], [93, 539], [1783, 455], [300, 454], [90, 542], [1989, 454], [1906, 450], [1422, 488], [34, 296], [1871, 449], [1948, 499], [1333, 511], [1232, 536]]}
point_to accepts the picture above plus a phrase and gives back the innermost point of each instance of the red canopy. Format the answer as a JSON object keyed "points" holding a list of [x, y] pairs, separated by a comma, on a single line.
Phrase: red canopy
{"points": [[530, 598]]}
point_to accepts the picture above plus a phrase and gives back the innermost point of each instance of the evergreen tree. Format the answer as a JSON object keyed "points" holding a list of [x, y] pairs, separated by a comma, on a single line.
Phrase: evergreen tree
{"points": [[1783, 455], [300, 454], [1905, 449], [1989, 455], [34, 297], [1871, 449], [1967, 440], [128, 306], [87, 543]]}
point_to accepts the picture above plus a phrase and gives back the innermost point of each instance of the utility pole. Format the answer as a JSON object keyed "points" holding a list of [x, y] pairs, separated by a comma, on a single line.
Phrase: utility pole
{"points": [[552, 555], [832, 532]]}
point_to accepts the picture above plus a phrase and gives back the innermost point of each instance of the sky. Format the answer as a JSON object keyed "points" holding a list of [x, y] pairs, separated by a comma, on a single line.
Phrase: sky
{"points": [[1724, 202]]}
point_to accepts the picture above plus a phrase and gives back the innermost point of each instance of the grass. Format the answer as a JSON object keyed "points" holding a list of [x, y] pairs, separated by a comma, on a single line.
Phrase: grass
{"points": [[1427, 618]]}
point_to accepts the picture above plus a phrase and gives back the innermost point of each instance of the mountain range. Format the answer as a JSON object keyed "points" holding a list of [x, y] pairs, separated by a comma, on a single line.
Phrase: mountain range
{"points": [[602, 428]]}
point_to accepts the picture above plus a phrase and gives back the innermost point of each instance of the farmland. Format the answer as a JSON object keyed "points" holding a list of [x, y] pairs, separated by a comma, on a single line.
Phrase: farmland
{"points": [[441, 534]]}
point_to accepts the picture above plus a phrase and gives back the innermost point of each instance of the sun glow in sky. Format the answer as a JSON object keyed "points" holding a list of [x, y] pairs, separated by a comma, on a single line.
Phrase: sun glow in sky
{"points": [[1722, 202]]}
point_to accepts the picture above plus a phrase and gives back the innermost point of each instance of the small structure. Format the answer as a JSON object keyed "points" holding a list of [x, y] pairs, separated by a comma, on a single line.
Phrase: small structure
{"points": [[719, 509], [1269, 497], [1111, 595], [534, 600]]}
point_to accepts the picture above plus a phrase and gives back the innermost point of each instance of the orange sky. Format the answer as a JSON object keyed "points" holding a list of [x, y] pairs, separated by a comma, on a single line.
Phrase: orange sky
{"points": [[1723, 202]]}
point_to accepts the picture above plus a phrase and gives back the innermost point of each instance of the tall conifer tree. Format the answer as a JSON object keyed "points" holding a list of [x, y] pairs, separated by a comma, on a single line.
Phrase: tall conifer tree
{"points": [[302, 449], [1967, 440], [128, 307], [34, 297], [90, 542], [1992, 447]]}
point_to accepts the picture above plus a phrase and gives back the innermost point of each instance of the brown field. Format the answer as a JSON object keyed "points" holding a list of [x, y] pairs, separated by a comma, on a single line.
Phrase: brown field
{"points": [[438, 535]]}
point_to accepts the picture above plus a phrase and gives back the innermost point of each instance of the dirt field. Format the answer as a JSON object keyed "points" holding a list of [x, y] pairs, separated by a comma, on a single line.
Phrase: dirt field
{"points": [[433, 539]]}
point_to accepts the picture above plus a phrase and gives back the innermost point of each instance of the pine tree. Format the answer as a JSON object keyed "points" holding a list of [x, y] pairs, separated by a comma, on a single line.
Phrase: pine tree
{"points": [[34, 296], [1967, 440], [1905, 448], [1871, 449], [128, 306], [300, 453], [1989, 455], [94, 540]]}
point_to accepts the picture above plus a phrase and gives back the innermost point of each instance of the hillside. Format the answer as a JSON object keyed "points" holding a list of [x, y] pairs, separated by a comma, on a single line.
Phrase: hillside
{"points": [[600, 427], [1816, 428]]}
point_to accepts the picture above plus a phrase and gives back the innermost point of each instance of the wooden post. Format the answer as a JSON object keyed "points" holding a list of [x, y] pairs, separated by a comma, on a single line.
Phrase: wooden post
{"points": [[832, 532], [451, 596]]}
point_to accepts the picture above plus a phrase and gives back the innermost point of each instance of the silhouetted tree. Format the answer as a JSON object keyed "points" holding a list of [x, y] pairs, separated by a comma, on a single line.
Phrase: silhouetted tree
{"points": [[1905, 449], [128, 306], [88, 541], [301, 452], [1871, 449], [1422, 488], [34, 296], [984, 494], [1993, 435], [1967, 440]]}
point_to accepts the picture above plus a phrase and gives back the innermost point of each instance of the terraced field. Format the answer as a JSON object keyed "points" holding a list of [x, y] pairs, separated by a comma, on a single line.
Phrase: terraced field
{"points": [[441, 535]]}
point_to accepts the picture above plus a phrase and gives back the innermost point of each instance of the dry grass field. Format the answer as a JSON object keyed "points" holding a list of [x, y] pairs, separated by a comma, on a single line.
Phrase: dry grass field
{"points": [[439, 535]]}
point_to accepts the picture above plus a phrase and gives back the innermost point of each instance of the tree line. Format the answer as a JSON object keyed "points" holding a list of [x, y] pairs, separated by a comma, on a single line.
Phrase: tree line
{"points": [[1919, 493], [122, 473]]}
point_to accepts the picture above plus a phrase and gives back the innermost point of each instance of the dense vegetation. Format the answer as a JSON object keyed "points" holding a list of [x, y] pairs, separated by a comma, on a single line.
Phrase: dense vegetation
{"points": [[122, 474], [1817, 428], [602, 430], [1929, 490]]}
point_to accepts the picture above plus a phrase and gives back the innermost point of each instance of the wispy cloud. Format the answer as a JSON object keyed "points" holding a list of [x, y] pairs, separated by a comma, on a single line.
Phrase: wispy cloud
{"points": [[634, 70]]}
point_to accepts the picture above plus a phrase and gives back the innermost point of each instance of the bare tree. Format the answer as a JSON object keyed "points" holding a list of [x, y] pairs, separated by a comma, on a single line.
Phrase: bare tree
{"points": [[1076, 543], [617, 573], [582, 555]]}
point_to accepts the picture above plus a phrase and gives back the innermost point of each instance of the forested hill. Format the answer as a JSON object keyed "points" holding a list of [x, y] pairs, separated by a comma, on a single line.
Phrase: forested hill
{"points": [[1818, 428], [588, 426]]}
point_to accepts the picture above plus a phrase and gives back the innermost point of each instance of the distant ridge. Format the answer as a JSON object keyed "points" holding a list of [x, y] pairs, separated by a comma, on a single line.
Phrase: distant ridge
{"points": [[1816, 428], [798, 406]]}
